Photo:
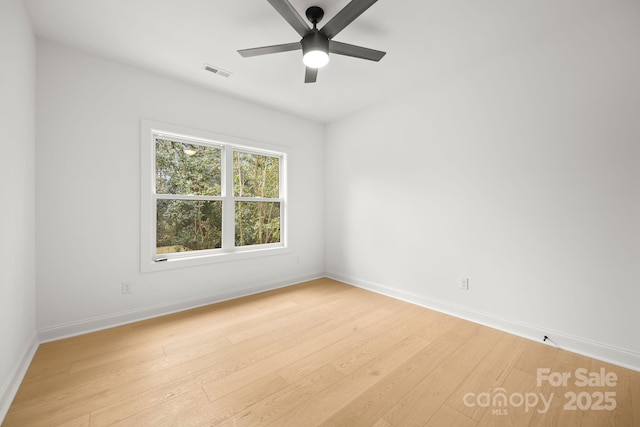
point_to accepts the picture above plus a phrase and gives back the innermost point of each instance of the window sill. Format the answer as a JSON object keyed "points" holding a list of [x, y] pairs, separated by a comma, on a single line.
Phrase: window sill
{"points": [[208, 259]]}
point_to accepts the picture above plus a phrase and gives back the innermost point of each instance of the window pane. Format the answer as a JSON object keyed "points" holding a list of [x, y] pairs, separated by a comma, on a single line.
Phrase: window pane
{"points": [[187, 169], [188, 225], [257, 223], [255, 175]]}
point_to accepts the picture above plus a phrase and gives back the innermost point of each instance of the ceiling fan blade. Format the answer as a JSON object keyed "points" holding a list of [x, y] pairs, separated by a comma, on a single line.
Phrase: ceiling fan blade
{"points": [[346, 16], [310, 75], [355, 51], [290, 15], [266, 50]]}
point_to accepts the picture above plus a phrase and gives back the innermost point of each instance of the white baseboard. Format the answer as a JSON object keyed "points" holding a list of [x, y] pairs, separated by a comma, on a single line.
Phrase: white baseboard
{"points": [[604, 352], [111, 320], [10, 388]]}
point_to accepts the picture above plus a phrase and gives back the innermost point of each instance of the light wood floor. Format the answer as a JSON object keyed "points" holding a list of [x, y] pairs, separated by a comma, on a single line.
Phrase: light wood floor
{"points": [[320, 353]]}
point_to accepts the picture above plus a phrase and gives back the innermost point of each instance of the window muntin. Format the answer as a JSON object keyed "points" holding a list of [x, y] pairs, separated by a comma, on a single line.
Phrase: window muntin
{"points": [[212, 198]]}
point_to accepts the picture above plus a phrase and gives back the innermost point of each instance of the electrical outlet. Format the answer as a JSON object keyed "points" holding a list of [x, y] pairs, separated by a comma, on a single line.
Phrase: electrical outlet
{"points": [[464, 283], [126, 287]]}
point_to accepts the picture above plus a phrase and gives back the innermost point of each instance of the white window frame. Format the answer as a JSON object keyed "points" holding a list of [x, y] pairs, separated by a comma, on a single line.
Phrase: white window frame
{"points": [[150, 262]]}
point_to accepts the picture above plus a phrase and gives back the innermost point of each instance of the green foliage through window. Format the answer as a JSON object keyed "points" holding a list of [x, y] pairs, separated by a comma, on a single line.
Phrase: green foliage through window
{"points": [[187, 168], [255, 175], [188, 225], [191, 197], [257, 223]]}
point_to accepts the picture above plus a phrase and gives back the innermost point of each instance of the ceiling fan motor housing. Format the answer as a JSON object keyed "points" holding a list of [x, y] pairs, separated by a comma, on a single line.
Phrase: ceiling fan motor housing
{"points": [[315, 40]]}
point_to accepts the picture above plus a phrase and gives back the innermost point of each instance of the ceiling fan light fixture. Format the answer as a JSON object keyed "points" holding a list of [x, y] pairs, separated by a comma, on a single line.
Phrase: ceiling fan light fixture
{"points": [[315, 59], [315, 50]]}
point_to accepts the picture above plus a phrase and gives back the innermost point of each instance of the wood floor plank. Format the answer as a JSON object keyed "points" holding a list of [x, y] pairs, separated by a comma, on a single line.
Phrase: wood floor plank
{"points": [[556, 414], [52, 392], [223, 382], [447, 416], [130, 404], [536, 355], [43, 367], [103, 379], [423, 401], [204, 343], [318, 353], [286, 320], [439, 324], [377, 400], [622, 398], [103, 385], [488, 375], [232, 403], [498, 415], [282, 401], [362, 354], [148, 333], [130, 355], [320, 408], [181, 325], [82, 421], [233, 318], [188, 409], [382, 423], [339, 349]]}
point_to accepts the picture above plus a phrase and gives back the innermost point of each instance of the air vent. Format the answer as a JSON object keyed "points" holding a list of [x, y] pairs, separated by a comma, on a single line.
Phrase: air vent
{"points": [[216, 70]]}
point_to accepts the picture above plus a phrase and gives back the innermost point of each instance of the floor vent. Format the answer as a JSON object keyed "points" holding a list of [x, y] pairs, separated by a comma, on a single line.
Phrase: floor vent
{"points": [[216, 70]]}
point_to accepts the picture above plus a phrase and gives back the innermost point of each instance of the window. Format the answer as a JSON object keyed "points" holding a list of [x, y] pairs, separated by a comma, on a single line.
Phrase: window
{"points": [[188, 193], [208, 200]]}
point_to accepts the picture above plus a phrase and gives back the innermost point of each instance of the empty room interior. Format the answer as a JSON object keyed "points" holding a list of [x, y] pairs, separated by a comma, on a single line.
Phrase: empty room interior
{"points": [[201, 225]]}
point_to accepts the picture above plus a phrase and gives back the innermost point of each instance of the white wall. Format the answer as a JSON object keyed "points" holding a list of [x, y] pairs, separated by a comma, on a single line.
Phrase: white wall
{"points": [[17, 192], [88, 192], [520, 173]]}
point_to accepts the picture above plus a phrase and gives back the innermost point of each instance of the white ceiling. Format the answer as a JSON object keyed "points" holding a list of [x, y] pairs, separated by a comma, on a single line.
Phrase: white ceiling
{"points": [[424, 40]]}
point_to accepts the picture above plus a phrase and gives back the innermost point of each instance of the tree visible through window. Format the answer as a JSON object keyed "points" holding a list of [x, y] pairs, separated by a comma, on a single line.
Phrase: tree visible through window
{"points": [[255, 180]]}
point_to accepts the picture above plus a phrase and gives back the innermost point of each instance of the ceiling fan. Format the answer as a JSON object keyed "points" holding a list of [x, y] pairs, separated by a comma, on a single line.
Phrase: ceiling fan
{"points": [[316, 44]]}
